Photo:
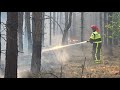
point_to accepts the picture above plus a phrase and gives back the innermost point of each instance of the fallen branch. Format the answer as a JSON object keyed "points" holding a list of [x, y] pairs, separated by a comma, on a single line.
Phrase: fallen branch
{"points": [[52, 75]]}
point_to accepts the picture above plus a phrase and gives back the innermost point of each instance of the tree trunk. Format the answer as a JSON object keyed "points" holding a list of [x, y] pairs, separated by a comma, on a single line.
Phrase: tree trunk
{"points": [[105, 31], [115, 27], [67, 26], [20, 31], [73, 27], [33, 28], [60, 18], [110, 34], [37, 42], [43, 20], [11, 46], [57, 20], [54, 14], [65, 31], [115, 41], [82, 24], [28, 29], [0, 39], [101, 30], [50, 30]]}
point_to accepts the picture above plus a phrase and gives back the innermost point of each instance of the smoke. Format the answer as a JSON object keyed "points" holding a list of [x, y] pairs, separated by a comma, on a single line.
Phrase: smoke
{"points": [[23, 73], [62, 56]]}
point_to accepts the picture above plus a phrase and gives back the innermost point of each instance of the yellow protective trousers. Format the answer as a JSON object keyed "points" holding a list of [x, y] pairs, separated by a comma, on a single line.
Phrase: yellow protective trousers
{"points": [[97, 51]]}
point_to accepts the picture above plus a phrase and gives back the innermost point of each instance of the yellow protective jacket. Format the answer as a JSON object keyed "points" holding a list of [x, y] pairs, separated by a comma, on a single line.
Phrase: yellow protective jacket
{"points": [[95, 38]]}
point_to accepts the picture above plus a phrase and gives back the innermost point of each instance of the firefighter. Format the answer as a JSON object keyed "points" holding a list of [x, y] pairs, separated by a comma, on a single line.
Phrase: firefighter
{"points": [[96, 40]]}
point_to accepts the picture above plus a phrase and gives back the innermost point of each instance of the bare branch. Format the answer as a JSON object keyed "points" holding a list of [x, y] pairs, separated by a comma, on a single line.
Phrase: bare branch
{"points": [[3, 38], [3, 23], [55, 21], [4, 26], [69, 23]]}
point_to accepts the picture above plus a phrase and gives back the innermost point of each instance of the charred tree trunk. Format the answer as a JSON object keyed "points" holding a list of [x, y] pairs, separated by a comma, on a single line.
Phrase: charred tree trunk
{"points": [[37, 42], [20, 31], [67, 26], [28, 30], [11, 47]]}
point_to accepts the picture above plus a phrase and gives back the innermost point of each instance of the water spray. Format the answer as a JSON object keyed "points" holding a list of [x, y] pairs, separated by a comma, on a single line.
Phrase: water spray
{"points": [[59, 47]]}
